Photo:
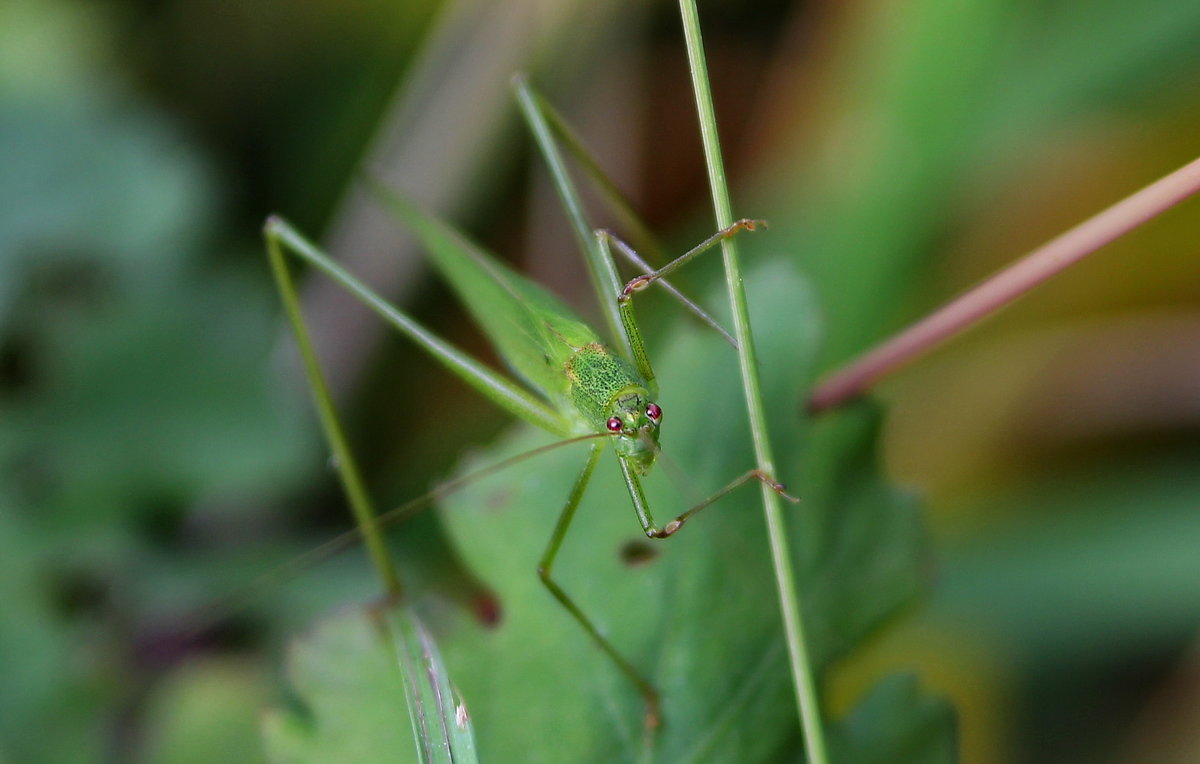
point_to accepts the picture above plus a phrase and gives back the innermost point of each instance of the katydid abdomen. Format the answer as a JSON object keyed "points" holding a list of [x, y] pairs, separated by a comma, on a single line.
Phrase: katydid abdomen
{"points": [[592, 389]]}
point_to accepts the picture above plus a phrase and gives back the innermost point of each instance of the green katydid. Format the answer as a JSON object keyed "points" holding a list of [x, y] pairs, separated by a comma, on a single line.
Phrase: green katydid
{"points": [[580, 388]]}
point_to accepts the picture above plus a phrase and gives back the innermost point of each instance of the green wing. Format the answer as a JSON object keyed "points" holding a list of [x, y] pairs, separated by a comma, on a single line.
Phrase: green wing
{"points": [[532, 330]]}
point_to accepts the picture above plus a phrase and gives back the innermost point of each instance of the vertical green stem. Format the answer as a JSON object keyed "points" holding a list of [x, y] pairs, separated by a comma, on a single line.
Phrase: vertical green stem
{"points": [[352, 484], [802, 674]]}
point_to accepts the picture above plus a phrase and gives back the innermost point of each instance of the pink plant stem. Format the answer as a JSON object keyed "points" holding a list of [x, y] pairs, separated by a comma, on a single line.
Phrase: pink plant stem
{"points": [[1007, 285]]}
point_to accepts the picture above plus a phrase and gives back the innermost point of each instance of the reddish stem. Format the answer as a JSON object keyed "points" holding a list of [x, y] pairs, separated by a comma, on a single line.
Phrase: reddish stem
{"points": [[1007, 285]]}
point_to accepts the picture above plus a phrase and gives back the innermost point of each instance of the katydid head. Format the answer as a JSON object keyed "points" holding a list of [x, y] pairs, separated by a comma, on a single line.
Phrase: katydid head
{"points": [[634, 421]]}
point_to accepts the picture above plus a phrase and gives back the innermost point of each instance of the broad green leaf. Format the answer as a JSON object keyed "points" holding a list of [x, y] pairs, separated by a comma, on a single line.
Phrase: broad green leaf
{"points": [[700, 616]]}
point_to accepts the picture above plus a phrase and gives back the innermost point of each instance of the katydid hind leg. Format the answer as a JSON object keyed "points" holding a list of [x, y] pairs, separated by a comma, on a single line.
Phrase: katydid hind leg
{"points": [[283, 238], [349, 475], [545, 569], [461, 585]]}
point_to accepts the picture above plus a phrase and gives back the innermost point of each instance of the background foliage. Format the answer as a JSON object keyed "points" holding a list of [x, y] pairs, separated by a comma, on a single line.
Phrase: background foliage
{"points": [[155, 459]]}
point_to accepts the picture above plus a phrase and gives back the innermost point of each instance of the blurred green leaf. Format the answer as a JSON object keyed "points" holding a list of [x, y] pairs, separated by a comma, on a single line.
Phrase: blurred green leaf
{"points": [[933, 94], [44, 676], [896, 722], [135, 379], [207, 711], [1107, 565]]}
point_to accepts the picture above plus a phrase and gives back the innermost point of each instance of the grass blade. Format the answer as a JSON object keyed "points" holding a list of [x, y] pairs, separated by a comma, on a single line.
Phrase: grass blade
{"points": [[802, 678], [441, 725], [355, 676]]}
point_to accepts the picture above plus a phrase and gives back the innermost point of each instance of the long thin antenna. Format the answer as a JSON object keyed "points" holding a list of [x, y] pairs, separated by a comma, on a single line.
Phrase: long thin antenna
{"points": [[209, 615]]}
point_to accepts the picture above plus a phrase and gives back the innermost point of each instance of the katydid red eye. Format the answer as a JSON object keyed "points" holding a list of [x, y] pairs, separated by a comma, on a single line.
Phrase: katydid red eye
{"points": [[654, 412], [614, 424]]}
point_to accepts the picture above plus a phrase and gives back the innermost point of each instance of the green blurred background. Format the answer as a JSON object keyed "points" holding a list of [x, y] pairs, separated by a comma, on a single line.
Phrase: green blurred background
{"points": [[158, 452]]}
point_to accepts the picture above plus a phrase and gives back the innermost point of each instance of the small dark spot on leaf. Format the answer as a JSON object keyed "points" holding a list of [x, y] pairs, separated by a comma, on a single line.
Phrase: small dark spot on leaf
{"points": [[637, 552], [487, 609]]}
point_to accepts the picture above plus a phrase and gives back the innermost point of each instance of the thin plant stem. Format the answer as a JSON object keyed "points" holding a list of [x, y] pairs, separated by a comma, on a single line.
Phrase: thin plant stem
{"points": [[1007, 285], [352, 483], [789, 604]]}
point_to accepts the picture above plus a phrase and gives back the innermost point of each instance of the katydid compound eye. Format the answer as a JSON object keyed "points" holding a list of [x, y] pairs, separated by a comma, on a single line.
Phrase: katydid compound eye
{"points": [[654, 412], [614, 424]]}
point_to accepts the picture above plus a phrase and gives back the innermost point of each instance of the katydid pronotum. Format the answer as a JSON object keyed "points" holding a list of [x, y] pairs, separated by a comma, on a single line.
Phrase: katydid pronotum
{"points": [[582, 389]]}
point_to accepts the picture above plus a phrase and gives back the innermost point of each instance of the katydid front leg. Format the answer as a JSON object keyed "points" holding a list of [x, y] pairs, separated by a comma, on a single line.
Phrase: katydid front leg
{"points": [[567, 516], [625, 299], [642, 362], [649, 694], [652, 530]]}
